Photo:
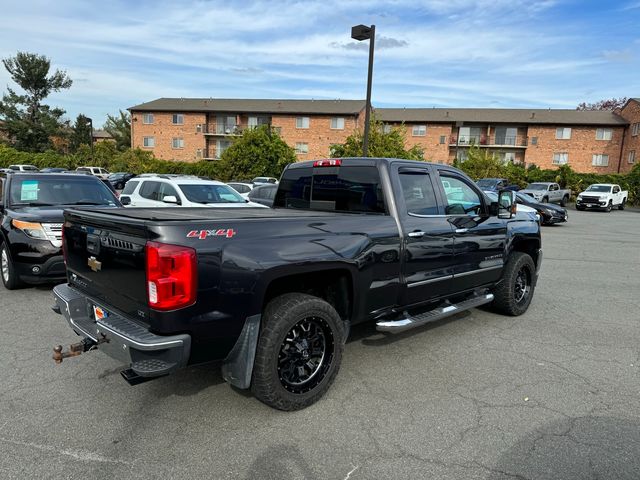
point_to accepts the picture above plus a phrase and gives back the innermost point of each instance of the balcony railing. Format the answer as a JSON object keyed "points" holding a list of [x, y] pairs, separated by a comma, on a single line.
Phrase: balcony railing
{"points": [[489, 140], [223, 129]]}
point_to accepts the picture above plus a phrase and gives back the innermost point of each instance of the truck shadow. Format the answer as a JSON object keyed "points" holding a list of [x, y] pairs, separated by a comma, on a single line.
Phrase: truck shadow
{"points": [[281, 461], [575, 449]]}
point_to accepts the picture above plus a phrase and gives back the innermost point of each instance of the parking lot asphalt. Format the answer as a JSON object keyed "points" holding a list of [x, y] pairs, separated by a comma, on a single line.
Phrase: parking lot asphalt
{"points": [[553, 394]]}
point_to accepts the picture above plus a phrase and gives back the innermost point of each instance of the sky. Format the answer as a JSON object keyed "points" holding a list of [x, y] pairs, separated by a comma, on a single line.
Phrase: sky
{"points": [[429, 53]]}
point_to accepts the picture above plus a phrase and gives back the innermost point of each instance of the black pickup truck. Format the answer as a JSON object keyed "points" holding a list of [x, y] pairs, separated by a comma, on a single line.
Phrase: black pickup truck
{"points": [[273, 292]]}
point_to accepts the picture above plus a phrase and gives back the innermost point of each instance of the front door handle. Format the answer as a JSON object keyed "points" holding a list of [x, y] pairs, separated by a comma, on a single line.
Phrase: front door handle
{"points": [[416, 234], [462, 230]]}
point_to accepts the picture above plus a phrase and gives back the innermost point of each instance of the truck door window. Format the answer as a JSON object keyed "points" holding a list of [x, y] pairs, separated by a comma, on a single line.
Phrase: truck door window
{"points": [[462, 199], [418, 193]]}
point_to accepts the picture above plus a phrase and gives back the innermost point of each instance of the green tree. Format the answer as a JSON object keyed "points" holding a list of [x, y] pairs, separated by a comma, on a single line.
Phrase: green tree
{"points": [[119, 127], [258, 152], [27, 122], [480, 164], [80, 134], [382, 143]]}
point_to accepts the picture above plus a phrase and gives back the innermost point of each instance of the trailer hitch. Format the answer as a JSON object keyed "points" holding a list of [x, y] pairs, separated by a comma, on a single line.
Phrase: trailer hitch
{"points": [[76, 349]]}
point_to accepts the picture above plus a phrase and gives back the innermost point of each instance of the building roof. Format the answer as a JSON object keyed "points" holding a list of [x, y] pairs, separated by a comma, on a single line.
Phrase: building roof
{"points": [[330, 107], [500, 115], [101, 134]]}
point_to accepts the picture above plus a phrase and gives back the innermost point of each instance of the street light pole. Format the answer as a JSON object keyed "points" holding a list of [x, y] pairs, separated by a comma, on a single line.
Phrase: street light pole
{"points": [[360, 33], [90, 123]]}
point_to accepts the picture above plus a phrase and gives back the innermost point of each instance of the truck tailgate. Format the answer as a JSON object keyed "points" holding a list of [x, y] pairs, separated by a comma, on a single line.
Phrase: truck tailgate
{"points": [[105, 257]]}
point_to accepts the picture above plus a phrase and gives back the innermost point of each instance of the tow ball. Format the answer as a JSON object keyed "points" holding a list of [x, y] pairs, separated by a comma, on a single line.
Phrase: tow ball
{"points": [[76, 349]]}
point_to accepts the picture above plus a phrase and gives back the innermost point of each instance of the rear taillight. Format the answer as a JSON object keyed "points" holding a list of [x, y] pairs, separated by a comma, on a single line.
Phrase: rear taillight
{"points": [[171, 276], [331, 162]]}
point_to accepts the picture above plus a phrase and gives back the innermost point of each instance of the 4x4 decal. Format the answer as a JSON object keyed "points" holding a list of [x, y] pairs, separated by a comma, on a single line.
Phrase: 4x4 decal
{"points": [[202, 234]]}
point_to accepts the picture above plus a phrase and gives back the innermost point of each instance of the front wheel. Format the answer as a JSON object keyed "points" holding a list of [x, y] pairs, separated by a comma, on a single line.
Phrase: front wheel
{"points": [[299, 351], [10, 278], [621, 206], [514, 294], [609, 206]]}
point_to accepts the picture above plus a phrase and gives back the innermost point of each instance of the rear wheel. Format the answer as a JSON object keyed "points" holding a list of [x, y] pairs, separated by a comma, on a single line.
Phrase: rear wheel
{"points": [[621, 206], [514, 294], [8, 273], [545, 199], [299, 351], [564, 201]]}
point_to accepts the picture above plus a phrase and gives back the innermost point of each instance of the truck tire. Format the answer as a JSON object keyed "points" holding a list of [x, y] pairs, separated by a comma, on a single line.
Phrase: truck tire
{"points": [[545, 199], [621, 206], [609, 206], [299, 351], [10, 278], [514, 293], [564, 201]]}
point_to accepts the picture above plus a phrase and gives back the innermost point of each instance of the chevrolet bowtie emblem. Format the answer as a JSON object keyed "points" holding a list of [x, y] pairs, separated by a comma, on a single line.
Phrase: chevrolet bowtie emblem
{"points": [[94, 264]]}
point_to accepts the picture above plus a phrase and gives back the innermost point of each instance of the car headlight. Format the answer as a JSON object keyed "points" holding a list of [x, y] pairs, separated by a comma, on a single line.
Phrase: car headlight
{"points": [[30, 229]]}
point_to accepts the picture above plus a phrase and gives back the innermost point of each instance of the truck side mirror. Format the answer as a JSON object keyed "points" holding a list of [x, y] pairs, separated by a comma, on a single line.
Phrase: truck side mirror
{"points": [[506, 204]]}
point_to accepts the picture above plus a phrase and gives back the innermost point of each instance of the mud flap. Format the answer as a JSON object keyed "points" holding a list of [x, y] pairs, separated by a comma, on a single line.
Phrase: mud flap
{"points": [[237, 368]]}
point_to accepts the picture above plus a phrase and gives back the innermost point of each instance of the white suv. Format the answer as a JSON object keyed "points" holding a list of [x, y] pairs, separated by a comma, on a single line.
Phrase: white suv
{"points": [[182, 190], [95, 171]]}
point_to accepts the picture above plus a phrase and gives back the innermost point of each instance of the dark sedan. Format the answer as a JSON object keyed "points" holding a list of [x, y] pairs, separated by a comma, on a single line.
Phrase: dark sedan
{"points": [[119, 179], [31, 217], [549, 212]]}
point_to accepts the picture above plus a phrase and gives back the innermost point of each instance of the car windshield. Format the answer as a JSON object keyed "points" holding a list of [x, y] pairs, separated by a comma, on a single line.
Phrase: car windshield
{"points": [[208, 193], [536, 186], [486, 182], [524, 198], [60, 190], [598, 188]]}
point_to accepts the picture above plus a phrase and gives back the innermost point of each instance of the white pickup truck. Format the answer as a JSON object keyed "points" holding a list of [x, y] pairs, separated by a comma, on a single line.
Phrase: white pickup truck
{"points": [[547, 192], [602, 196]]}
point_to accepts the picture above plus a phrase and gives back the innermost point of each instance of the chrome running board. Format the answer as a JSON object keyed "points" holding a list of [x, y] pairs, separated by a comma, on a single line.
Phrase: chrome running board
{"points": [[410, 321]]}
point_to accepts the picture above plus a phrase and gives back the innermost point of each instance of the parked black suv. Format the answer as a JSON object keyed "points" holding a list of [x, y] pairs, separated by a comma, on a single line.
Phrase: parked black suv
{"points": [[31, 217]]}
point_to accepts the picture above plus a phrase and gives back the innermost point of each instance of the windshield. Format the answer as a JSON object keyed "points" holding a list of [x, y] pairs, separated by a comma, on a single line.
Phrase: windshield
{"points": [[598, 188], [486, 182], [536, 186], [524, 198], [208, 193], [59, 190]]}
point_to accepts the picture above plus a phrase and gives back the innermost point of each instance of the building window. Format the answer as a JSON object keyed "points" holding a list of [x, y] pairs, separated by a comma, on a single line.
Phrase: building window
{"points": [[419, 130], [221, 147], [177, 142], [443, 139], [149, 142], [635, 129], [199, 128], [302, 148], [147, 118], [177, 119], [603, 134], [507, 157], [337, 123], [560, 158], [199, 153], [534, 140], [600, 160], [631, 158], [302, 122], [386, 128], [462, 155], [255, 121], [563, 133]]}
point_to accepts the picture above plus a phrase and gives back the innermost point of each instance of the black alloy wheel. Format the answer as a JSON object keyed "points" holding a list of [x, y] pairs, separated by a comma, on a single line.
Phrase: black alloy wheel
{"points": [[305, 355], [522, 285], [609, 206]]}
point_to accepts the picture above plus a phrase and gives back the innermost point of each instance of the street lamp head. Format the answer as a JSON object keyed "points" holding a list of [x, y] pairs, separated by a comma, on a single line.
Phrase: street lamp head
{"points": [[89, 121], [361, 32]]}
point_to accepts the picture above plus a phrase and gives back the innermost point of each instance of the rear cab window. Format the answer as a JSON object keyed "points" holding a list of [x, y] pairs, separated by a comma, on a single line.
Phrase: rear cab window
{"points": [[356, 189]]}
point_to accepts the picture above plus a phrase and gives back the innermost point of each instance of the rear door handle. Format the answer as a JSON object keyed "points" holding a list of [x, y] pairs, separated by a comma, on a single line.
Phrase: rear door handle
{"points": [[462, 230], [416, 234]]}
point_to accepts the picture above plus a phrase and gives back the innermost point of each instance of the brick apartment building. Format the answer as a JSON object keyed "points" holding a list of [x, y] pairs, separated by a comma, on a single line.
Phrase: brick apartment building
{"points": [[589, 141]]}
